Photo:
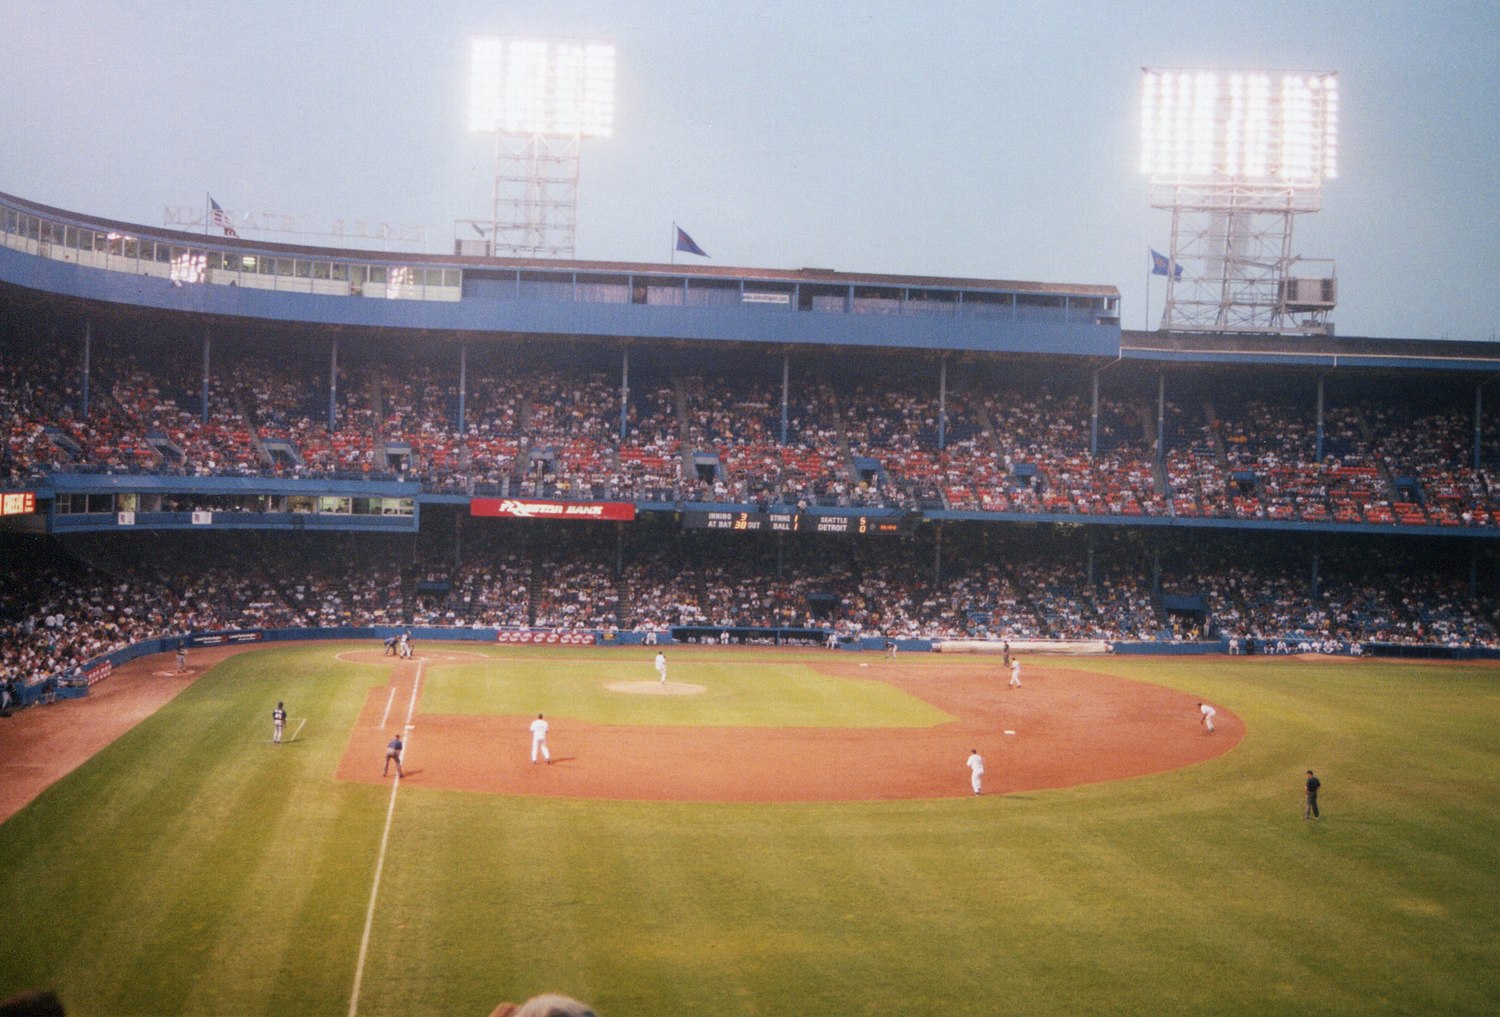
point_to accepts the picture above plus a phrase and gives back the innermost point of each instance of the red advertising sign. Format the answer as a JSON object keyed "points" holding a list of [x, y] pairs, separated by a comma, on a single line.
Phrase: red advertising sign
{"points": [[536, 508], [17, 503]]}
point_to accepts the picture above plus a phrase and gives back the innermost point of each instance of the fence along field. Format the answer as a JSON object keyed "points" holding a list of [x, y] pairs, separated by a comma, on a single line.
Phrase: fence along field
{"points": [[192, 867]]}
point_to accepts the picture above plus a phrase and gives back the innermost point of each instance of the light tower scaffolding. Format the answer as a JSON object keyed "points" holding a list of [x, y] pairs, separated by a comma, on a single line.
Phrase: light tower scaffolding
{"points": [[535, 213], [1235, 158], [540, 98]]}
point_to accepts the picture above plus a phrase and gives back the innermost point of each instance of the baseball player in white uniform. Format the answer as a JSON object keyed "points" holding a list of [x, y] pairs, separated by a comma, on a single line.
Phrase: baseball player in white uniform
{"points": [[539, 739], [976, 770], [1015, 674], [1209, 713], [661, 666]]}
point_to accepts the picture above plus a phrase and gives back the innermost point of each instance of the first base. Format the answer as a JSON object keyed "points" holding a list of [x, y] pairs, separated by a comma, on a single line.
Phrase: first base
{"points": [[1010, 732]]}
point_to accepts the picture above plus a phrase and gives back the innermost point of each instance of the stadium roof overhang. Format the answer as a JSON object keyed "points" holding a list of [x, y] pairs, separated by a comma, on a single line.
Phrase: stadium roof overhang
{"points": [[1319, 352]]}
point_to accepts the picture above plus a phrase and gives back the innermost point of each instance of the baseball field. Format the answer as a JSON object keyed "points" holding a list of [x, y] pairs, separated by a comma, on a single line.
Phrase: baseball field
{"points": [[772, 832]]}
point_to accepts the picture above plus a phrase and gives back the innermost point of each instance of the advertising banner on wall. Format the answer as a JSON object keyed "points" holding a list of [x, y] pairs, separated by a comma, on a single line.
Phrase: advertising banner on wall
{"points": [[226, 638], [538, 508], [558, 638]]}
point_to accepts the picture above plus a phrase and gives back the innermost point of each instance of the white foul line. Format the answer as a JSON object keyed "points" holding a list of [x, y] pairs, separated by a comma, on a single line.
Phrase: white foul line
{"points": [[388, 700], [385, 836], [299, 730]]}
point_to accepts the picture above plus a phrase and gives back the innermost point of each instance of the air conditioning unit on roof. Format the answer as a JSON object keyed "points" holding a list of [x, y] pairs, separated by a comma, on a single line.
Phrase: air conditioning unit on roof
{"points": [[1309, 294]]}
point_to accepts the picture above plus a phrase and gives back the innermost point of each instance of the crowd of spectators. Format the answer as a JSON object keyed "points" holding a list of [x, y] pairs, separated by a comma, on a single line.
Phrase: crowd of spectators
{"points": [[67, 603], [559, 429], [1027, 443]]}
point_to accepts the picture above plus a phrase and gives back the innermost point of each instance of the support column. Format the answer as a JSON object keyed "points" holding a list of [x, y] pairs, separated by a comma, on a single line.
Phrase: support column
{"points": [[937, 553], [943, 404], [624, 391], [1478, 422], [1319, 445], [1094, 417], [88, 346], [207, 346], [786, 376], [463, 388], [1161, 417], [333, 386]]}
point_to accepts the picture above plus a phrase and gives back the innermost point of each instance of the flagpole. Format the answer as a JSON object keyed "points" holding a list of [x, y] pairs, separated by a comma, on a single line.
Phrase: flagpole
{"points": [[1146, 322], [672, 255], [207, 215]]}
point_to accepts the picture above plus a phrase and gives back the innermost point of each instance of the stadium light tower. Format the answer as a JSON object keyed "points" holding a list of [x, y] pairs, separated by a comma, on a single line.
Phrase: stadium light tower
{"points": [[1236, 156], [540, 98]]}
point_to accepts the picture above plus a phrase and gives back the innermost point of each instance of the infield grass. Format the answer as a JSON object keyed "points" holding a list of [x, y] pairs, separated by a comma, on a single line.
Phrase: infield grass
{"points": [[736, 691], [192, 868]]}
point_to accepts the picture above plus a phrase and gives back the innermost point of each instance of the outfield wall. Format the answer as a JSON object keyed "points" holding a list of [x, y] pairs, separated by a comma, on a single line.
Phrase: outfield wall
{"points": [[1073, 646]]}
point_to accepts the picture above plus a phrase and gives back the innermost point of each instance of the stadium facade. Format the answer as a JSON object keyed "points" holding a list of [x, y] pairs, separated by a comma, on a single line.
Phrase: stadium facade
{"points": [[162, 381]]}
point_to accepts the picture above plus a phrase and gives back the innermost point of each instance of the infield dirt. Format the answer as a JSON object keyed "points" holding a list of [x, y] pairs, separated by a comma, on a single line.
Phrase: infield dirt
{"points": [[1071, 727]]}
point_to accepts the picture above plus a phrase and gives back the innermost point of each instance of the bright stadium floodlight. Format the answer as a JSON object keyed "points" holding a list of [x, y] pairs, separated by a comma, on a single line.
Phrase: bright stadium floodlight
{"points": [[1235, 155], [1249, 127], [540, 98]]}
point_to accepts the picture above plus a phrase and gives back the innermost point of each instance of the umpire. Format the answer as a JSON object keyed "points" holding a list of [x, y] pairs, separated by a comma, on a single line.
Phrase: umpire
{"points": [[1310, 809]]}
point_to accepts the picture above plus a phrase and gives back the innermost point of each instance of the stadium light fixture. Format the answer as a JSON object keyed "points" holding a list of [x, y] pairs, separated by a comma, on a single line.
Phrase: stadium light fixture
{"points": [[1252, 127], [530, 86], [1235, 156], [540, 98]]}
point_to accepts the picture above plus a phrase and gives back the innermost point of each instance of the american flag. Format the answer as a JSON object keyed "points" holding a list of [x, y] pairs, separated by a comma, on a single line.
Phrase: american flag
{"points": [[221, 218]]}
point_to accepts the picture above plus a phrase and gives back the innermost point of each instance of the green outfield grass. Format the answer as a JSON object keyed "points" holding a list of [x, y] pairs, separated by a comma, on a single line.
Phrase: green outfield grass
{"points": [[192, 868]]}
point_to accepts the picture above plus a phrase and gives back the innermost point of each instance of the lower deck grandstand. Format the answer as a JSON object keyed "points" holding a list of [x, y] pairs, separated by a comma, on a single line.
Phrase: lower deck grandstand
{"points": [[67, 603]]}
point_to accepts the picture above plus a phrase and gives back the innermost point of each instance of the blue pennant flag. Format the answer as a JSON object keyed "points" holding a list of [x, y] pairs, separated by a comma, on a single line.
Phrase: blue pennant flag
{"points": [[685, 243], [1162, 265]]}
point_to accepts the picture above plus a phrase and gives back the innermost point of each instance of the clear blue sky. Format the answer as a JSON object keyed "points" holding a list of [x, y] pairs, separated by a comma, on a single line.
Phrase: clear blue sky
{"points": [[988, 139]]}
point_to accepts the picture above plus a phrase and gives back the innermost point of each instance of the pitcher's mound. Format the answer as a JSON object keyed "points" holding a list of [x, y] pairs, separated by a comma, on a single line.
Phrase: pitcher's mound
{"points": [[657, 688]]}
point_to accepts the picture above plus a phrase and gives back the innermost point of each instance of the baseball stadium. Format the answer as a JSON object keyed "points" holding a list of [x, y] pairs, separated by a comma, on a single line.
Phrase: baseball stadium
{"points": [[776, 553]]}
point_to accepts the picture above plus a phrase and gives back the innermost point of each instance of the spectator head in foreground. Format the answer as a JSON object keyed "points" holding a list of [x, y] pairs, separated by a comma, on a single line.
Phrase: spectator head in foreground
{"points": [[32, 1004], [549, 1004]]}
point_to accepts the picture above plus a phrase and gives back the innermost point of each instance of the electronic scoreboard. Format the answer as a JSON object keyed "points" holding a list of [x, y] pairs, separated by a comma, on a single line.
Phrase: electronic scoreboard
{"points": [[882, 524]]}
